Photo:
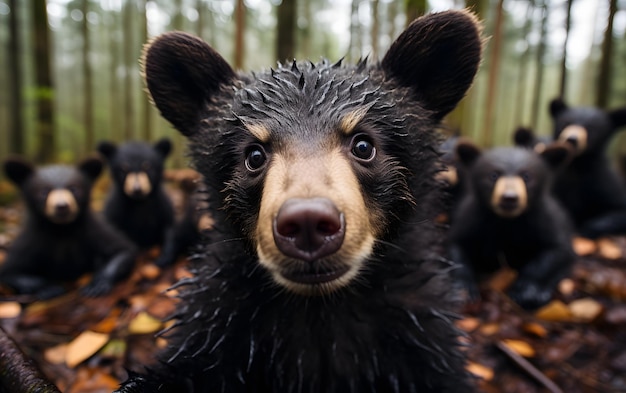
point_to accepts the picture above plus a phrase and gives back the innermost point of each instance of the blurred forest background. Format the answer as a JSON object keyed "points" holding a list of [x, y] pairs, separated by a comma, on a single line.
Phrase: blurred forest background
{"points": [[69, 69]]}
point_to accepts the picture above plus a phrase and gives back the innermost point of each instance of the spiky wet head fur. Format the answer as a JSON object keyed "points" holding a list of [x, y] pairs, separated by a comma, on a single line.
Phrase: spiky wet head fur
{"points": [[347, 152]]}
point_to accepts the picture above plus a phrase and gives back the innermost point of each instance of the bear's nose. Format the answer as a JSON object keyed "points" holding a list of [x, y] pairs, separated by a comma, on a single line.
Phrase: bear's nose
{"points": [[309, 228], [510, 197], [572, 140]]}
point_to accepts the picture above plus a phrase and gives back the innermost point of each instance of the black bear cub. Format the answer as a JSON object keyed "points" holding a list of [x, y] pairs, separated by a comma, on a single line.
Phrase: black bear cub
{"points": [[590, 188], [323, 273], [508, 216], [62, 239], [137, 204]]}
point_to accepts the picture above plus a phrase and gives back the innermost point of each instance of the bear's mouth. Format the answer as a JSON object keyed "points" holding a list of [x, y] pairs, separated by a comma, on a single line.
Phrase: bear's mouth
{"points": [[315, 276]]}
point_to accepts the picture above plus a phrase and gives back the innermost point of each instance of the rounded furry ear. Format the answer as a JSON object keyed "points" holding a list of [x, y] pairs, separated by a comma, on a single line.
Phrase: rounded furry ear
{"points": [[437, 56], [557, 106], [18, 169], [557, 154], [523, 137], [467, 152], [618, 117], [163, 147], [91, 167], [107, 149], [182, 73]]}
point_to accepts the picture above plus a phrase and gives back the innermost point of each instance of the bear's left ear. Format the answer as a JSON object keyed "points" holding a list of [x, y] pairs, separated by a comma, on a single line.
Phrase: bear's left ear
{"points": [[107, 149], [163, 147], [467, 152], [91, 167], [558, 154], [183, 73], [618, 117], [557, 106], [437, 56], [18, 170], [523, 137]]}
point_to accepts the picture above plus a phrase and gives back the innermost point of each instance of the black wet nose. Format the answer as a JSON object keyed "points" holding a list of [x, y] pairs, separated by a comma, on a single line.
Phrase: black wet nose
{"points": [[572, 140], [509, 199], [61, 207], [309, 229]]}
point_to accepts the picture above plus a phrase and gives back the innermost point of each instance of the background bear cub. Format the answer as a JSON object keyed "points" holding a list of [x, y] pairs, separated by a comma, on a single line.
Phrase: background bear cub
{"points": [[322, 273], [508, 216], [61, 238], [137, 203]]}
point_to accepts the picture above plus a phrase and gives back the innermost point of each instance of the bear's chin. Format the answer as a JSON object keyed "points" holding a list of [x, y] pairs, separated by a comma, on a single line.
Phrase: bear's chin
{"points": [[316, 282]]}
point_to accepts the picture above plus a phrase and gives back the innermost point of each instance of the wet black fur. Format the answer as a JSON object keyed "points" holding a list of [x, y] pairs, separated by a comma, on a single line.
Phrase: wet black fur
{"points": [[391, 330], [148, 220], [46, 255], [590, 188], [537, 243]]}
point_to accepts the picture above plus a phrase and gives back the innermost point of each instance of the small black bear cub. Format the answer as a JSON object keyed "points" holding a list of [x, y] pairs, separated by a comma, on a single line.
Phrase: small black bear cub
{"points": [[62, 238], [508, 216], [590, 188], [137, 204], [322, 274]]}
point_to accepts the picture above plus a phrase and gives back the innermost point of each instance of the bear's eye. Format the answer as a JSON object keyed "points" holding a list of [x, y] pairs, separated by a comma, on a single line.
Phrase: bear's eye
{"points": [[525, 175], [255, 158], [494, 175], [145, 166], [362, 148]]}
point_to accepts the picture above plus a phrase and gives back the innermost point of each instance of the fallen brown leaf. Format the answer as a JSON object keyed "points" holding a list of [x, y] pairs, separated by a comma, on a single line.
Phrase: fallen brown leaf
{"points": [[10, 310], [520, 347], [84, 346], [585, 310], [555, 311], [583, 246]]}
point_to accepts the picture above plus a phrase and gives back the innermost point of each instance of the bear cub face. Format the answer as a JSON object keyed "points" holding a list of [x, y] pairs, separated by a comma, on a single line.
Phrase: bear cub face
{"points": [[508, 180], [56, 193], [136, 167]]}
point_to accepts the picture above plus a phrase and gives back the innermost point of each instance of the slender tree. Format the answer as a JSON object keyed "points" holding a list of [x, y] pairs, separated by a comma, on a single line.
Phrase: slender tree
{"points": [[44, 124], [494, 74], [16, 129], [603, 92], [568, 23], [415, 8], [115, 116], [286, 30], [87, 81], [355, 31], [522, 73], [129, 60], [541, 49], [147, 107], [375, 29], [240, 29]]}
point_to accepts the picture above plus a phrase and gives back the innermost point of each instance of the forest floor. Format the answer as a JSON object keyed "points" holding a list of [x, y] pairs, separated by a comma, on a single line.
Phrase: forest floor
{"points": [[575, 344]]}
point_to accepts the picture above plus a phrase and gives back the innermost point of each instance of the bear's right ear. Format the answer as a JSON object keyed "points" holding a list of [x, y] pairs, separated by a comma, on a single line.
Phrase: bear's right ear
{"points": [[618, 117], [91, 167], [182, 74], [437, 56], [467, 152], [557, 106], [558, 154], [523, 137], [107, 149], [163, 147], [18, 170]]}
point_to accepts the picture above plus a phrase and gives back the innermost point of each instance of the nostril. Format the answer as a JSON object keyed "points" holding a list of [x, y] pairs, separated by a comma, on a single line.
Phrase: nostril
{"points": [[308, 228]]}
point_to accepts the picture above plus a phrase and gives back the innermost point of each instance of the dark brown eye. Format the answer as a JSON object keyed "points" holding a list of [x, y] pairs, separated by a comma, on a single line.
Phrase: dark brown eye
{"points": [[255, 159], [362, 148]]}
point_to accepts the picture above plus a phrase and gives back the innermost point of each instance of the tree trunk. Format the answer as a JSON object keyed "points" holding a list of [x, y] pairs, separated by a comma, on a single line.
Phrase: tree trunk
{"points": [[44, 124], [603, 93], [240, 30], [522, 75], [568, 23], [129, 104], [87, 81], [375, 30], [355, 31], [115, 116], [414, 9], [16, 128], [494, 73], [146, 135], [285, 31], [541, 49]]}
